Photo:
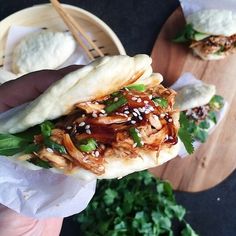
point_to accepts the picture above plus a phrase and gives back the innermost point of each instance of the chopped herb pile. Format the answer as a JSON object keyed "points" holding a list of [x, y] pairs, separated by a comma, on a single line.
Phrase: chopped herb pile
{"points": [[138, 204]]}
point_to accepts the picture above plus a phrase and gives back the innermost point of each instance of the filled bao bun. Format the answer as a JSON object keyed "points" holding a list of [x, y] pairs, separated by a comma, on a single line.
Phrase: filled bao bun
{"points": [[220, 29], [125, 129], [194, 95]]}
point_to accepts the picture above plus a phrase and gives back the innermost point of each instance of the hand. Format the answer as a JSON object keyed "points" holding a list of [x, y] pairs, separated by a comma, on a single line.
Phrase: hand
{"points": [[30, 86], [14, 93]]}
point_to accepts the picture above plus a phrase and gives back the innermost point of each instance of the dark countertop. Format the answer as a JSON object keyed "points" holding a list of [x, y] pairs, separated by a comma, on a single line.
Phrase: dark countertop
{"points": [[137, 23]]}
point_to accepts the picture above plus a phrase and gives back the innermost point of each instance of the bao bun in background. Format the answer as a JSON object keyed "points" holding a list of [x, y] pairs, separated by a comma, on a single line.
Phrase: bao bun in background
{"points": [[194, 95], [211, 33], [42, 50], [214, 22]]}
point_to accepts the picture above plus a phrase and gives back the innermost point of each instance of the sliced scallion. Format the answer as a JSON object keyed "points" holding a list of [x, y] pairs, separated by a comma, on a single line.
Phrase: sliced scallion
{"points": [[134, 133], [90, 145], [115, 105]]}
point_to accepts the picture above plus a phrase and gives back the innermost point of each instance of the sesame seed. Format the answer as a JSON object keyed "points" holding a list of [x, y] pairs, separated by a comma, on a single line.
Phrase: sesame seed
{"points": [[88, 131], [97, 153], [69, 127], [116, 99], [135, 114], [162, 115], [133, 121], [126, 112], [82, 124], [141, 109], [87, 126], [147, 111], [103, 111], [83, 115], [96, 103], [93, 154], [137, 111], [126, 108], [49, 150], [151, 108], [170, 137], [135, 145], [129, 118], [94, 115], [102, 146], [139, 100], [142, 143], [139, 135], [170, 120], [146, 102], [150, 96], [166, 137], [134, 98], [140, 117]]}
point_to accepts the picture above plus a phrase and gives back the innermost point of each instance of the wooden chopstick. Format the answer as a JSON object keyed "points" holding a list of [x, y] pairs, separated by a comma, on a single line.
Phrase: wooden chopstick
{"points": [[75, 28]]}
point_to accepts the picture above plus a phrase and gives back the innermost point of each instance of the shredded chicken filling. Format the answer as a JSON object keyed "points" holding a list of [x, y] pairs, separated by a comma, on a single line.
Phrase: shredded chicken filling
{"points": [[108, 123], [216, 45]]}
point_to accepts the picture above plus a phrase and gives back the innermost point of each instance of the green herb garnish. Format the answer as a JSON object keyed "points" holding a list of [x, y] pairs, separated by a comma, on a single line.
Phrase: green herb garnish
{"points": [[138, 204], [137, 87], [54, 146], [134, 133], [217, 102], [40, 163], [184, 134], [46, 128], [188, 33], [212, 116], [116, 105], [162, 102], [89, 145], [11, 144], [31, 148]]}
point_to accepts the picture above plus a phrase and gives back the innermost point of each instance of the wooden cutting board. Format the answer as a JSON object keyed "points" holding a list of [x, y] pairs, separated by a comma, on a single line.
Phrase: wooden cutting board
{"points": [[215, 159]]}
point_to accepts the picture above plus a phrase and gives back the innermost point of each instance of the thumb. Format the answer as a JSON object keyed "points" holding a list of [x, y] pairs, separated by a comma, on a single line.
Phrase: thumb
{"points": [[30, 86]]}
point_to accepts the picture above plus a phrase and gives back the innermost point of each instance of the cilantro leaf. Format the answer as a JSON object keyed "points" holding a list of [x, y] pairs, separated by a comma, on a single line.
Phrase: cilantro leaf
{"points": [[212, 116], [217, 102], [11, 144], [188, 231], [184, 134]]}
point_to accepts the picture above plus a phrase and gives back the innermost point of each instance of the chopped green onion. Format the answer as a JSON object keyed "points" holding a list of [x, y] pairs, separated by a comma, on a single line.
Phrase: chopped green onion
{"points": [[137, 87], [199, 36], [189, 33], [31, 148], [54, 146], [90, 145], [46, 128], [41, 163], [162, 102], [134, 133], [115, 105]]}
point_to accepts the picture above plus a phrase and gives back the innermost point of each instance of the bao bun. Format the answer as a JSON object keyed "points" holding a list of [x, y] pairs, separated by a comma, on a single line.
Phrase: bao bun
{"points": [[194, 95], [213, 22]]}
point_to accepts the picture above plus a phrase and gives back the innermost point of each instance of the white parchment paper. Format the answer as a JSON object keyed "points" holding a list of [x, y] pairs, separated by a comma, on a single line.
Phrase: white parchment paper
{"points": [[188, 79], [191, 6], [41, 193]]}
